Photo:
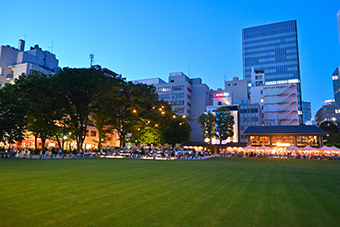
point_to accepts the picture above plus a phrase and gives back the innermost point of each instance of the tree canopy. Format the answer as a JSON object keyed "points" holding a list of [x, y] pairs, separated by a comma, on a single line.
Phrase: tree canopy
{"points": [[218, 124], [52, 106]]}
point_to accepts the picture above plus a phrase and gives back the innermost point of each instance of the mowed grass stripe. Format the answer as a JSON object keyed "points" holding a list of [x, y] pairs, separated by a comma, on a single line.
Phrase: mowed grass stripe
{"points": [[152, 201], [215, 192]]}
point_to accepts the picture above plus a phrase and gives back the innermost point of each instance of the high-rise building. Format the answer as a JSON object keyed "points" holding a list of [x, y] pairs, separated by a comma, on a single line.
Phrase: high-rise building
{"points": [[306, 111], [273, 48], [336, 90]]}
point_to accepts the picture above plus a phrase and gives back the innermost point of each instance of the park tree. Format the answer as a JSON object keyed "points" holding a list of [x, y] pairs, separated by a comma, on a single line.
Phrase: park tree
{"points": [[100, 114], [224, 123], [207, 123], [173, 128], [78, 89], [128, 111], [333, 137], [42, 109], [13, 116]]}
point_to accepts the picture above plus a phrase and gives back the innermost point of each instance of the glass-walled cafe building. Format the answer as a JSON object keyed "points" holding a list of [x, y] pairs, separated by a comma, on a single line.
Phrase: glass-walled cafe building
{"points": [[285, 136]]}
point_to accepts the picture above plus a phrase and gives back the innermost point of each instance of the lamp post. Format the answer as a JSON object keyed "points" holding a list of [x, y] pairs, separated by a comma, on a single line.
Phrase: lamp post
{"points": [[64, 137]]}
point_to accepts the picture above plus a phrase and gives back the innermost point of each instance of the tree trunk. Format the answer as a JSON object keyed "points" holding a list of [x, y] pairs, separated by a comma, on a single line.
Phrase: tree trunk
{"points": [[43, 140], [36, 142]]}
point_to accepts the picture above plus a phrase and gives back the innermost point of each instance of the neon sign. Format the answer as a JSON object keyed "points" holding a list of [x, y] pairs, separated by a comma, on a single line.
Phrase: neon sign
{"points": [[225, 94]]}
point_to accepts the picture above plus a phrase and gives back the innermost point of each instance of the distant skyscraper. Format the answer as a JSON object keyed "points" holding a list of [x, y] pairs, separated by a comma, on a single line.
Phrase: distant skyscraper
{"points": [[336, 90], [273, 48], [306, 111]]}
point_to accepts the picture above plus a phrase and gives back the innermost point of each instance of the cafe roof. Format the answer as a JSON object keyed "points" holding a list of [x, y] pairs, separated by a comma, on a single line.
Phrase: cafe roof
{"points": [[285, 130]]}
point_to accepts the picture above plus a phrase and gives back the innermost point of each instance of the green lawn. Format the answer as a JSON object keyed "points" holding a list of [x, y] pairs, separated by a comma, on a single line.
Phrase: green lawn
{"points": [[214, 192]]}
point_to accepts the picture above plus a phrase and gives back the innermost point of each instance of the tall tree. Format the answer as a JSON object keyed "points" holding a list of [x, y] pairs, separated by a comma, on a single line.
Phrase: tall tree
{"points": [[37, 90], [207, 123], [129, 108], [78, 89], [224, 123], [13, 120]]}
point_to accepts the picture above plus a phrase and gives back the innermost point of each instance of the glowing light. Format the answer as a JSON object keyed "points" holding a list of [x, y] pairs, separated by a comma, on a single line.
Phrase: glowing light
{"points": [[283, 144], [225, 94], [134, 111], [174, 116]]}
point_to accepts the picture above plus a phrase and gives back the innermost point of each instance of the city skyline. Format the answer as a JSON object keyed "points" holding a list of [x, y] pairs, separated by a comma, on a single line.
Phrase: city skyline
{"points": [[152, 39]]}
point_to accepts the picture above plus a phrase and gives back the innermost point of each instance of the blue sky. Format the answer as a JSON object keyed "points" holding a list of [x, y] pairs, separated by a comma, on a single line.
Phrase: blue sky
{"points": [[145, 39]]}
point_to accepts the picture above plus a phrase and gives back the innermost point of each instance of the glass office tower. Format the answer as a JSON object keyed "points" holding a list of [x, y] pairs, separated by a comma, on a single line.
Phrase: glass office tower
{"points": [[274, 49]]}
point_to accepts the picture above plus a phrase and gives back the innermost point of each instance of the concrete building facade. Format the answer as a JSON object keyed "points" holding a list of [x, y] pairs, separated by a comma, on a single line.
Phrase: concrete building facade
{"points": [[237, 90], [16, 61], [326, 112], [187, 96]]}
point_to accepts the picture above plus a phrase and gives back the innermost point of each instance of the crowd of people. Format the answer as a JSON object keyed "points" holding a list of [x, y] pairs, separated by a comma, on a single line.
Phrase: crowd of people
{"points": [[133, 152]]}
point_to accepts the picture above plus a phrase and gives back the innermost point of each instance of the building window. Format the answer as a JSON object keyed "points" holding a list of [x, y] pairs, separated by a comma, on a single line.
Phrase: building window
{"points": [[219, 103], [178, 95], [93, 133], [167, 96], [177, 88], [177, 103], [179, 110], [163, 89]]}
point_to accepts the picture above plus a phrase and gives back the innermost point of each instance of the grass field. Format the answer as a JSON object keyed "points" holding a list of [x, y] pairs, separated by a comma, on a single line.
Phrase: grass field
{"points": [[214, 192]]}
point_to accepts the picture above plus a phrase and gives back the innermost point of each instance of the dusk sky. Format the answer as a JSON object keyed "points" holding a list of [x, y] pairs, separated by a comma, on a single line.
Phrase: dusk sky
{"points": [[146, 39]]}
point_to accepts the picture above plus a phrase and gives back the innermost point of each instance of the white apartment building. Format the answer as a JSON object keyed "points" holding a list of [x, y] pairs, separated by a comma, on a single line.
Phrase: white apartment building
{"points": [[278, 103], [16, 61]]}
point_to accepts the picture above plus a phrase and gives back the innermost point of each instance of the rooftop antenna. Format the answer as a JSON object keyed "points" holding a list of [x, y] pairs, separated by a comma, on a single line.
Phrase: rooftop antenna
{"points": [[91, 59], [225, 78], [52, 46]]}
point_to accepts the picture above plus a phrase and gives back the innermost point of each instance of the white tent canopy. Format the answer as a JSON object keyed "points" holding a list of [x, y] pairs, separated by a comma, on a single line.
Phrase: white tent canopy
{"points": [[308, 148], [263, 147], [249, 147], [325, 148], [293, 148]]}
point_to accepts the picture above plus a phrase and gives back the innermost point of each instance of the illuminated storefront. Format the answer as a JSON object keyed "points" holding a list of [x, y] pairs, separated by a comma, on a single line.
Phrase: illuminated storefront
{"points": [[285, 136]]}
